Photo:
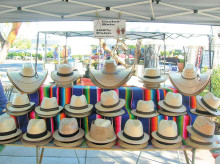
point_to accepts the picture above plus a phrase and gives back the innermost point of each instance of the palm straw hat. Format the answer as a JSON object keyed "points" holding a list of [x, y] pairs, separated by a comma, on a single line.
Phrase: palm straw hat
{"points": [[172, 105], [27, 80], [151, 85], [20, 105], [152, 75], [203, 128], [77, 115], [133, 133], [210, 103], [49, 107], [132, 146], [145, 109], [69, 144], [110, 77], [164, 145], [189, 83], [64, 74]]}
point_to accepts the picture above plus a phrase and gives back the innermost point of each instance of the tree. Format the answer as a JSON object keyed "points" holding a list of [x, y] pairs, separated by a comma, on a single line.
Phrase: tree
{"points": [[6, 44]]}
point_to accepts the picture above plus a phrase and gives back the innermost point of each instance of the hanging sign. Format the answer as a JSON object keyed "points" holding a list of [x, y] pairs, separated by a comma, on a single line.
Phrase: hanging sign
{"points": [[111, 28]]}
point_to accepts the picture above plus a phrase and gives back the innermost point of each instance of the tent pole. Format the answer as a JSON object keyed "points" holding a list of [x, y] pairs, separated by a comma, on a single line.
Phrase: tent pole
{"points": [[45, 54], [36, 52], [164, 57], [210, 62], [65, 61]]}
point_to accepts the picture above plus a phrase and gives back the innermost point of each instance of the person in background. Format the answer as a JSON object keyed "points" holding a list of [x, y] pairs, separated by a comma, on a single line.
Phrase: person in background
{"points": [[65, 54], [55, 54], [3, 98]]}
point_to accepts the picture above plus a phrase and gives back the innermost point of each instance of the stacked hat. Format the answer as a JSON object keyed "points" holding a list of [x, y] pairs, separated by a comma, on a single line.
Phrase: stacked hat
{"points": [[78, 107], [151, 86], [202, 133], [133, 136], [37, 133], [69, 134], [189, 83], [20, 105], [27, 80], [167, 135], [172, 105], [8, 130], [110, 104], [207, 106], [49, 108], [145, 109], [101, 134], [110, 77]]}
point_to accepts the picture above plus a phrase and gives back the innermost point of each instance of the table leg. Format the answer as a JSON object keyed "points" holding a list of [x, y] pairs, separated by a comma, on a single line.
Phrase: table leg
{"points": [[85, 156], [186, 157], [37, 155], [138, 157], [41, 156], [77, 157], [193, 155]]}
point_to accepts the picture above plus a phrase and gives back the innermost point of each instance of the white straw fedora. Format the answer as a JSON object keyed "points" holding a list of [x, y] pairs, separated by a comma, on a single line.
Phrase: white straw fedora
{"points": [[69, 144], [49, 107], [101, 145], [210, 103], [201, 111], [68, 130], [133, 133], [27, 80], [111, 114], [132, 146], [76, 115], [164, 145], [189, 83], [78, 105], [11, 140], [152, 75], [203, 128], [64, 74], [145, 109], [167, 132], [110, 76], [20, 105], [109, 102]]}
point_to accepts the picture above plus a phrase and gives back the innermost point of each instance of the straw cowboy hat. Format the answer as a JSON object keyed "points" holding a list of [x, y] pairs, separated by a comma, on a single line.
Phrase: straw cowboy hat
{"points": [[172, 105], [189, 83], [20, 105], [27, 80], [37, 133], [210, 103], [145, 109], [203, 128], [49, 107], [152, 75], [110, 77], [133, 133], [64, 74]]}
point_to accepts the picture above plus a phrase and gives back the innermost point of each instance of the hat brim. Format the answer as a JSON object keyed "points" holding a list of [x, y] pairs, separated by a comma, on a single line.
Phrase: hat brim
{"points": [[79, 135], [105, 146], [137, 142], [39, 143], [112, 114], [195, 145], [78, 111], [171, 113], [64, 80], [10, 140], [151, 86], [18, 113], [193, 111], [179, 110], [27, 84], [18, 132], [47, 113], [69, 144], [81, 115], [134, 112], [162, 79], [36, 139], [17, 110], [133, 146], [96, 141], [102, 109], [163, 146], [155, 136]]}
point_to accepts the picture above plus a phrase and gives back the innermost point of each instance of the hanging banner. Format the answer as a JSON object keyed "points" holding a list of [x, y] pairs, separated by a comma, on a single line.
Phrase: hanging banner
{"points": [[111, 28]]}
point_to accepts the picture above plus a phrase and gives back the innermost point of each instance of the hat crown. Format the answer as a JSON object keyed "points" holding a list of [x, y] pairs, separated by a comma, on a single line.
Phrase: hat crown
{"points": [[110, 66], [7, 124], [102, 122], [189, 71], [36, 126], [174, 99], [168, 128], [204, 125], [133, 128], [48, 103], [64, 68], [211, 100], [109, 98], [20, 99], [151, 72], [27, 70], [199, 107], [145, 106], [68, 126], [78, 101]]}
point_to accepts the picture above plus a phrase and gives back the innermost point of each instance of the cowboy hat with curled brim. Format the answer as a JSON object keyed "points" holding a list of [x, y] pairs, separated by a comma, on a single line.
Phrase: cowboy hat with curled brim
{"points": [[152, 75], [132, 146], [189, 82], [116, 113], [27, 80], [69, 144], [163, 145]]}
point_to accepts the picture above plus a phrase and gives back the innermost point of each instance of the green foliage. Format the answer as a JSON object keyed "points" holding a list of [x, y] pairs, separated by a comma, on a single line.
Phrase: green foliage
{"points": [[22, 55], [50, 54], [167, 53], [22, 43], [181, 60]]}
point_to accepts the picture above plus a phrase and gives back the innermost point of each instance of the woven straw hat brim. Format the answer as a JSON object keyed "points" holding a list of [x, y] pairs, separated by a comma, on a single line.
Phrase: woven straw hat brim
{"points": [[106, 146], [69, 144], [79, 135], [142, 141], [163, 146], [134, 112], [195, 145], [114, 114], [78, 111], [102, 109], [64, 80], [96, 141], [198, 99], [17, 133], [17, 110], [43, 116], [36, 139], [179, 110], [11, 140], [162, 79], [39, 143], [27, 84], [193, 111], [47, 113], [189, 87], [18, 113], [171, 114], [151, 86], [129, 146], [154, 134], [78, 115]]}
